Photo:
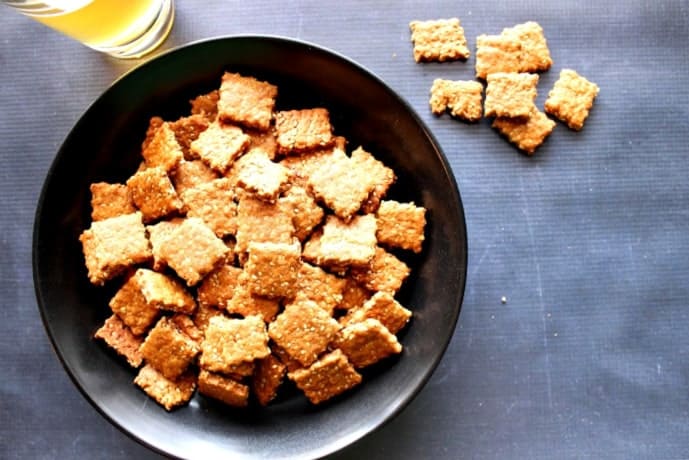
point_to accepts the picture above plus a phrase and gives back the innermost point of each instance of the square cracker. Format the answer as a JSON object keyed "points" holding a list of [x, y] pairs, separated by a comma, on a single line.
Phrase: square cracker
{"points": [[267, 378], [301, 130], [366, 342], [186, 325], [535, 56], [526, 135], [353, 294], [326, 378], [163, 150], [187, 130], [164, 292], [156, 234], [438, 40], [246, 101], [120, 338], [206, 105], [304, 164], [168, 349], [244, 303], [220, 145], [343, 244], [497, 53], [264, 141], [192, 250], [113, 245], [385, 272], [400, 225], [510, 95], [305, 212], [153, 193], [272, 269], [261, 177], [218, 287], [213, 202], [319, 286], [303, 330], [110, 200], [130, 305], [571, 98], [189, 174], [383, 307], [223, 389], [168, 393], [260, 221], [229, 342], [462, 98]]}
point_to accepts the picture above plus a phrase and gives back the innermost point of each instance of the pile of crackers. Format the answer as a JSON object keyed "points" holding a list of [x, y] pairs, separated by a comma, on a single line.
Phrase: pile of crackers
{"points": [[250, 249], [508, 64]]}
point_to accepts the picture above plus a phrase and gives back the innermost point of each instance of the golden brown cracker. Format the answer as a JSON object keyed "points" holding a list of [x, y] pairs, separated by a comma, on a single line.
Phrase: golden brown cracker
{"points": [[385, 272], [383, 307], [302, 130], [571, 98], [219, 146], [244, 303], [497, 53], [189, 174], [366, 342], [110, 200], [164, 292], [462, 98], [272, 269], [120, 338], [206, 105], [229, 342], [156, 234], [213, 202], [168, 393], [153, 193], [168, 350], [401, 225], [267, 378], [223, 389], [438, 40], [246, 101], [260, 221], [326, 378], [218, 287], [187, 130], [510, 95], [319, 286], [526, 135], [535, 55], [261, 177], [163, 150], [305, 212]]}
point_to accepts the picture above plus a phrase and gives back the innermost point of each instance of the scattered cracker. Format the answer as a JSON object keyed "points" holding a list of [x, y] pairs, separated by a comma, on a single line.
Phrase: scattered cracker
{"points": [[385, 272], [305, 212], [244, 303], [379, 176], [272, 269], [192, 250], [383, 307], [327, 377], [110, 200], [535, 55], [130, 305], [302, 130], [353, 294], [526, 135], [319, 286], [220, 145], [497, 53], [206, 105], [112, 245], [163, 150], [164, 292], [229, 342], [213, 202], [156, 234], [260, 222], [153, 193], [262, 177], [438, 40], [167, 393], [366, 342], [246, 101], [401, 225], [189, 174], [187, 130], [303, 330], [218, 287], [571, 98], [267, 379], [462, 98], [120, 338], [223, 389], [510, 95], [168, 349]]}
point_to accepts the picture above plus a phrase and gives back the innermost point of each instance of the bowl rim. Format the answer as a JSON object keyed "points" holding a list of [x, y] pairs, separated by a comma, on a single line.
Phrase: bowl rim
{"points": [[354, 436]]}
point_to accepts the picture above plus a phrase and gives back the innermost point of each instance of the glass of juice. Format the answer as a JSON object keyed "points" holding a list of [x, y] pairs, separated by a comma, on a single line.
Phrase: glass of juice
{"points": [[123, 29]]}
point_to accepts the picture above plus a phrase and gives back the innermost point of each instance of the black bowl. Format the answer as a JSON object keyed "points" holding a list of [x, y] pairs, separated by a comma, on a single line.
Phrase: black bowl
{"points": [[104, 146]]}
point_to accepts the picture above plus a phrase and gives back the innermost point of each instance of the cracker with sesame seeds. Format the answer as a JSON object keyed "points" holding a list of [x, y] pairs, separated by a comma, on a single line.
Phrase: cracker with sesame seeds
{"points": [[262, 177], [187, 130], [219, 146], [571, 99], [163, 150], [303, 330], [303, 130], [154, 123], [169, 350], [385, 272], [223, 388], [164, 292], [130, 305], [290, 363], [110, 200], [189, 174], [229, 342], [246, 101], [328, 377], [244, 303], [463, 99], [383, 307], [203, 315], [267, 378], [168, 393], [206, 105], [120, 338], [319, 286], [192, 250], [510, 95], [186, 325], [213, 202], [305, 212], [218, 287], [438, 40], [153, 193], [497, 53], [272, 269], [535, 55], [526, 135], [343, 243], [353, 294], [264, 141], [113, 245], [367, 342], [259, 221], [156, 234], [400, 225], [303, 165], [378, 175]]}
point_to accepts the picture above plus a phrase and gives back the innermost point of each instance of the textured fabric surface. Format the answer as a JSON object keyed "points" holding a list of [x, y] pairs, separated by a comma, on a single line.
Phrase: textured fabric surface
{"points": [[587, 240]]}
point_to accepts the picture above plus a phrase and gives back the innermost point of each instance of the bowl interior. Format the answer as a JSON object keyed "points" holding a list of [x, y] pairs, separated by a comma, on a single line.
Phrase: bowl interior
{"points": [[105, 146]]}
